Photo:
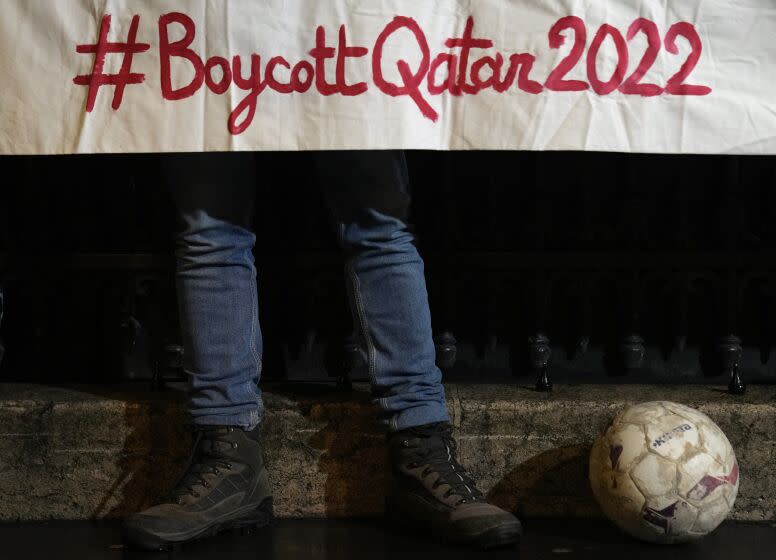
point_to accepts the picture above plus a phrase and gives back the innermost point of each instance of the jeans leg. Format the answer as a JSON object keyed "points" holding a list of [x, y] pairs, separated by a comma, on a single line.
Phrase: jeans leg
{"points": [[368, 193], [216, 284]]}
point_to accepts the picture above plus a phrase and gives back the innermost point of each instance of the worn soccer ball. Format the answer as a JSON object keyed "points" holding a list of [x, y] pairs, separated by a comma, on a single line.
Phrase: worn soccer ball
{"points": [[664, 472]]}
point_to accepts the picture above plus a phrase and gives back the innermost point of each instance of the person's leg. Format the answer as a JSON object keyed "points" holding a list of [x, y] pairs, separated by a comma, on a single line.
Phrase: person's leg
{"points": [[369, 196], [216, 284], [368, 193], [226, 483]]}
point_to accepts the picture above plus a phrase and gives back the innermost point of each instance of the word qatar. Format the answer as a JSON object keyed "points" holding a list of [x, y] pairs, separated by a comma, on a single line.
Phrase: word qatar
{"points": [[461, 79], [461, 76]]}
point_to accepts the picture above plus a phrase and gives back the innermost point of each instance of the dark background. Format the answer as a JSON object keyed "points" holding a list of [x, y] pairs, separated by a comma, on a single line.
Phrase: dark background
{"points": [[615, 267]]}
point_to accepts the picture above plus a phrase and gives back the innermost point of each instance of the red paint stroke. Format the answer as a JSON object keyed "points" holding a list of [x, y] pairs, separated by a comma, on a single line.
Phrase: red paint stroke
{"points": [[601, 87], [125, 76], [556, 81], [676, 85], [411, 81], [633, 85]]}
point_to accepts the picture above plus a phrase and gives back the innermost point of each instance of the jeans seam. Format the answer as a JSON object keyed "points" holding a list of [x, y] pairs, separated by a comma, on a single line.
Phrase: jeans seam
{"points": [[254, 350], [358, 305], [254, 320]]}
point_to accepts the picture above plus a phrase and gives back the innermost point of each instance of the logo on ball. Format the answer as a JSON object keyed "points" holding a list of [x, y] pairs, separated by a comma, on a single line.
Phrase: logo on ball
{"points": [[670, 435]]}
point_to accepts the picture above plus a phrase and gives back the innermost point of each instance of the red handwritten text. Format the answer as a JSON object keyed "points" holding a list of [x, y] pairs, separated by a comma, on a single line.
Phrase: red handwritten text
{"points": [[467, 67]]}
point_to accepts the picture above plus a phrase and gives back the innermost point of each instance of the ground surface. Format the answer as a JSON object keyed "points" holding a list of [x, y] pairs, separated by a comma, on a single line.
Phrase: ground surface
{"points": [[370, 540]]}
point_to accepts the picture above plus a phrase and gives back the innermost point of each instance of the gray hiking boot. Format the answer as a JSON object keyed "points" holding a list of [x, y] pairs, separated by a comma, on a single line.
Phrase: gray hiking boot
{"points": [[431, 491], [224, 487]]}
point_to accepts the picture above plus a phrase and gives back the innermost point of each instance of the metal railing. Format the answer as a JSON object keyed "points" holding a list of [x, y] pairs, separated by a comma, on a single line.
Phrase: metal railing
{"points": [[541, 267]]}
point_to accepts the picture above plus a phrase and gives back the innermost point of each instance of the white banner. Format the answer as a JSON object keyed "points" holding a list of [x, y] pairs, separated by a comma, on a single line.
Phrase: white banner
{"points": [[681, 76]]}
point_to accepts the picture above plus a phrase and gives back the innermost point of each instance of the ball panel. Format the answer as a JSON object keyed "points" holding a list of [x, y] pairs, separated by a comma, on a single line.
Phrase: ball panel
{"points": [[642, 414], [654, 475], [696, 476], [711, 515], [730, 495], [619, 497], [714, 441], [668, 519], [626, 445], [684, 519], [686, 412], [733, 477], [710, 486]]}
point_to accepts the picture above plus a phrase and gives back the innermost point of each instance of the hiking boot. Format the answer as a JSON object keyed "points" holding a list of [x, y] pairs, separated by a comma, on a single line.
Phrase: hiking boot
{"points": [[432, 491], [225, 486]]}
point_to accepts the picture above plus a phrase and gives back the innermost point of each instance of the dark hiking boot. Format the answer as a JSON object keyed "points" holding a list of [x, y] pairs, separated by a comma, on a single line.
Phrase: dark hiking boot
{"points": [[224, 487], [432, 491]]}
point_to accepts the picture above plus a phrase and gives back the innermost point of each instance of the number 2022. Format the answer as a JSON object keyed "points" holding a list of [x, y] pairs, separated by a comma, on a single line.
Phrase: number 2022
{"points": [[632, 85]]}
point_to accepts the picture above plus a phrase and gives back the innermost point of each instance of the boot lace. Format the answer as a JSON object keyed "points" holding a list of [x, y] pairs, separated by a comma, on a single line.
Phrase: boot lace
{"points": [[206, 458], [442, 460]]}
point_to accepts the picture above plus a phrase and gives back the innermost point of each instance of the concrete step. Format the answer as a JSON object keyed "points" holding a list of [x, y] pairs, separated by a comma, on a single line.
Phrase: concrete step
{"points": [[100, 452]]}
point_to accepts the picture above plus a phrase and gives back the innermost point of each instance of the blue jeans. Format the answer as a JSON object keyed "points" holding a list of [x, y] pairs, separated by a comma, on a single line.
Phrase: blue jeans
{"points": [[368, 196]]}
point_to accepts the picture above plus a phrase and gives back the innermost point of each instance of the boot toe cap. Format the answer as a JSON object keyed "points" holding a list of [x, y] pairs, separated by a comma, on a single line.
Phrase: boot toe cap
{"points": [[156, 527], [482, 521]]}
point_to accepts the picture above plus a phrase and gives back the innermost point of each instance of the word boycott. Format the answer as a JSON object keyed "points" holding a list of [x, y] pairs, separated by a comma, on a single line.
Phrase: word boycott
{"points": [[460, 71]]}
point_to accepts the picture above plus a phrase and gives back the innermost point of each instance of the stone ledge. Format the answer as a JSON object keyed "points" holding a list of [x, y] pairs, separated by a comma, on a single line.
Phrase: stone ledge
{"points": [[100, 452]]}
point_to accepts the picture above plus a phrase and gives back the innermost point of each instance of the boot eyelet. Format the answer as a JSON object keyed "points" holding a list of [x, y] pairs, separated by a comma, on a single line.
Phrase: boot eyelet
{"points": [[405, 443], [229, 467], [216, 471], [234, 445]]}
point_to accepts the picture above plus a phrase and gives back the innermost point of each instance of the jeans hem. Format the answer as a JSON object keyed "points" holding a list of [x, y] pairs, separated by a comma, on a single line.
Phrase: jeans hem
{"points": [[417, 416], [245, 420]]}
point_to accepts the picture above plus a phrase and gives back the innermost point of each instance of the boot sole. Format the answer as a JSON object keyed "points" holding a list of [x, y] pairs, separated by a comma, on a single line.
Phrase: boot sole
{"points": [[261, 517], [499, 537], [502, 536]]}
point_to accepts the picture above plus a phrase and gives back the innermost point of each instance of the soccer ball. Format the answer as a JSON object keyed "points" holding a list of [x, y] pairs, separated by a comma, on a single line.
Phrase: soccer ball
{"points": [[664, 472]]}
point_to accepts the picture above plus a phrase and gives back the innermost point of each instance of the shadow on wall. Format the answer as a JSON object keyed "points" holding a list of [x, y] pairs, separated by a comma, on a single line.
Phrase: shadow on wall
{"points": [[551, 484], [353, 456], [156, 447]]}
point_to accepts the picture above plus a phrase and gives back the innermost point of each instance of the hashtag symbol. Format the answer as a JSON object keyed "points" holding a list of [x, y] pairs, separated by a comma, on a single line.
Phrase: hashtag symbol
{"points": [[125, 77]]}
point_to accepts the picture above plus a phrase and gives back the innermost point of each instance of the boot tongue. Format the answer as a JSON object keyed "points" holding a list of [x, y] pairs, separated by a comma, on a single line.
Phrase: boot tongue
{"points": [[216, 442], [430, 444], [440, 429], [213, 448]]}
